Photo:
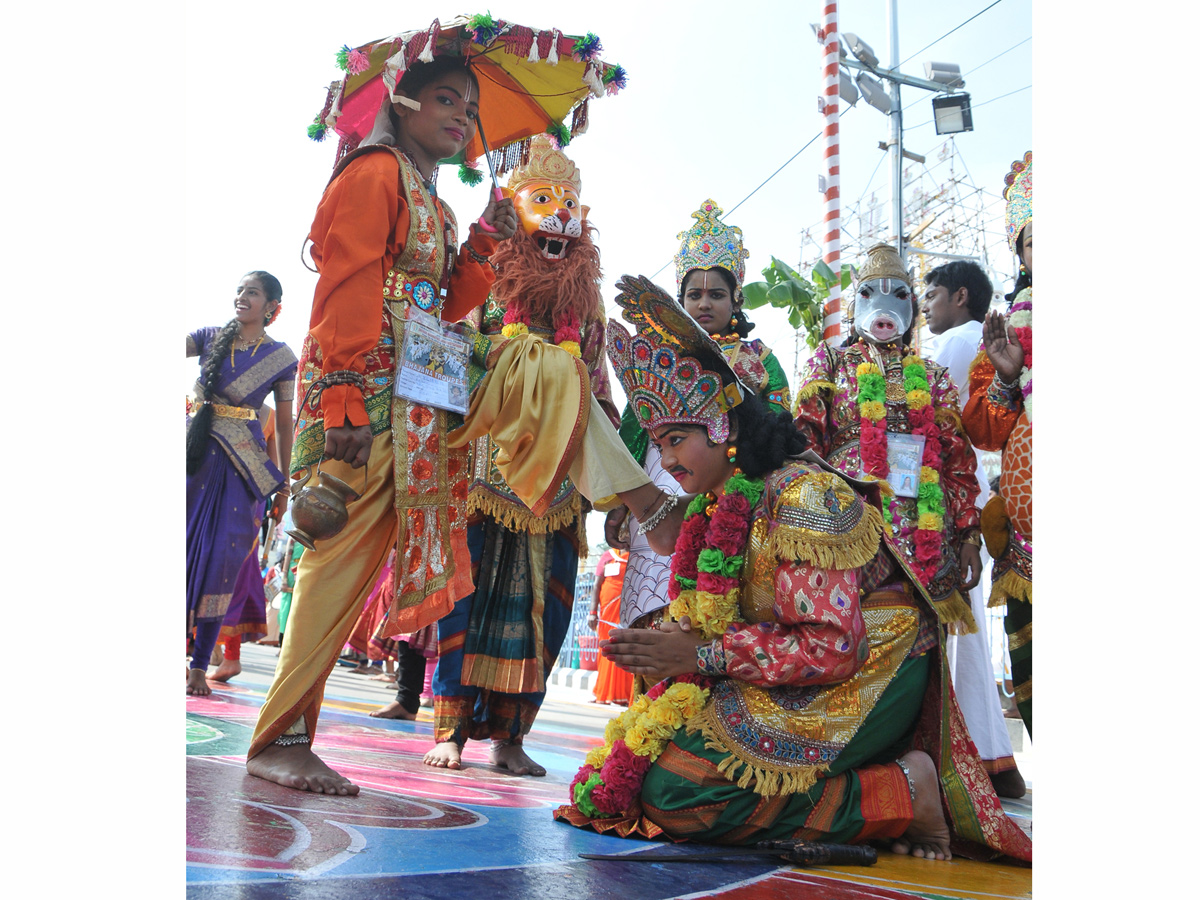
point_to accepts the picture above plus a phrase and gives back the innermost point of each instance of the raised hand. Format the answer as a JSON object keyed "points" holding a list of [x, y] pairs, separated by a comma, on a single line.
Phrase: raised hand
{"points": [[1003, 348]]}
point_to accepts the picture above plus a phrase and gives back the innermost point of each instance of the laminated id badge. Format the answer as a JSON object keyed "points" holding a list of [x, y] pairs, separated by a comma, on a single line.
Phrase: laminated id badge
{"points": [[904, 455], [432, 364]]}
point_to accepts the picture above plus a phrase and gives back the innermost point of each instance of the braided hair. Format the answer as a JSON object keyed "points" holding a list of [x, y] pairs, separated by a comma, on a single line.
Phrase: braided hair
{"points": [[201, 425]]}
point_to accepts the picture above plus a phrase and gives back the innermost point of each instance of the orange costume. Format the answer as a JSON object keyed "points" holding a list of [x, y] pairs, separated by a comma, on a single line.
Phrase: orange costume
{"points": [[382, 242], [613, 684], [999, 416]]}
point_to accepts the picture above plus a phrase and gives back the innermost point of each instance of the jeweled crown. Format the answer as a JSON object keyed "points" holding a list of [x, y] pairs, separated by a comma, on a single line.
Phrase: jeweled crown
{"points": [[665, 387], [708, 243], [1018, 193], [546, 164]]}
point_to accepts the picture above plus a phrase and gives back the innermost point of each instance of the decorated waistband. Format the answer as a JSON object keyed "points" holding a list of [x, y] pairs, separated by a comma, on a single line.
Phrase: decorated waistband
{"points": [[220, 409]]}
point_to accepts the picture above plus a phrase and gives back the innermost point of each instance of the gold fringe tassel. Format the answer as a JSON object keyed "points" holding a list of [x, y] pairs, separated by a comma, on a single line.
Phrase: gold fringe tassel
{"points": [[944, 414], [831, 551], [955, 613], [812, 389], [514, 519], [1008, 586], [766, 782]]}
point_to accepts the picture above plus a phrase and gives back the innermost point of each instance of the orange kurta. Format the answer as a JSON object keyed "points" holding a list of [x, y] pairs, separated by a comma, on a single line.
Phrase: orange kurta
{"points": [[358, 232]]}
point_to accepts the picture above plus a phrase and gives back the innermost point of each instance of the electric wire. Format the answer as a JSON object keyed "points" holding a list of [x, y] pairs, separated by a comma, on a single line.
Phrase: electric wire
{"points": [[952, 30]]}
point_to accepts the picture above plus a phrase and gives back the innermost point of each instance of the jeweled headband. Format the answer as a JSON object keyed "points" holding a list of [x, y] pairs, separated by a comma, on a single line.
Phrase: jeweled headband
{"points": [[1018, 193], [709, 243]]}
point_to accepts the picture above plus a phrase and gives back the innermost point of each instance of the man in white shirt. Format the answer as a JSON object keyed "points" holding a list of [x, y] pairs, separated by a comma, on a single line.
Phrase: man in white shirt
{"points": [[957, 298]]}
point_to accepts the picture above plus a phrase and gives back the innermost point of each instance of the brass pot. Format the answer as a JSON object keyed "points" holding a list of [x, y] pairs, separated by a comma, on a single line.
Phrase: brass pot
{"points": [[319, 511]]}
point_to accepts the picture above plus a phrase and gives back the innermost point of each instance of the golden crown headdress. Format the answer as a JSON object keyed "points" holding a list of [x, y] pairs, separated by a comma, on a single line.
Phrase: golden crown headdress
{"points": [[883, 261], [546, 164], [663, 383], [1018, 193], [708, 243]]}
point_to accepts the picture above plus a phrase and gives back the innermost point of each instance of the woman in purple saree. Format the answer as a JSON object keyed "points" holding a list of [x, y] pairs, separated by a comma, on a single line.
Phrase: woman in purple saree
{"points": [[229, 472]]}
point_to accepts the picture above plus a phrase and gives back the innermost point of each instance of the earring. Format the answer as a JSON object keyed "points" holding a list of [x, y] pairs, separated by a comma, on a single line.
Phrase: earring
{"points": [[731, 453], [733, 321]]}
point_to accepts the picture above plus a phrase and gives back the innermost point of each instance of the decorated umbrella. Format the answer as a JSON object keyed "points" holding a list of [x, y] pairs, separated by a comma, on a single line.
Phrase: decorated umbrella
{"points": [[529, 81]]}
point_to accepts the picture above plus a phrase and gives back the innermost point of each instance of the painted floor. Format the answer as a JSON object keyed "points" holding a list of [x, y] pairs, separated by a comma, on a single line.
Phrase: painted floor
{"points": [[417, 832]]}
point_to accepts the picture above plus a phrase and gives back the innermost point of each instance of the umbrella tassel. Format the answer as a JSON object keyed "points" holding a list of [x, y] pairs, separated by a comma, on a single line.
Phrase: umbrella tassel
{"points": [[517, 40], [394, 69], [333, 109], [430, 41], [357, 62], [552, 53], [591, 77], [579, 119], [533, 47]]}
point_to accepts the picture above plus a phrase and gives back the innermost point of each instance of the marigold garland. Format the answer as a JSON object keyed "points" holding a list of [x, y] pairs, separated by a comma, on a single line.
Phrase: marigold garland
{"points": [[566, 332], [871, 387], [705, 575]]}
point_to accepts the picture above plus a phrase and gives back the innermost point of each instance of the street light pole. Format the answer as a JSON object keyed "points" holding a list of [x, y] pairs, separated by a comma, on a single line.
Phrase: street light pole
{"points": [[897, 129]]}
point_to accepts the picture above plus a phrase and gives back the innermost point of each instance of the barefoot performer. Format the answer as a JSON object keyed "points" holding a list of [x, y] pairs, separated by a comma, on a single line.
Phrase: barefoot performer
{"points": [[382, 242], [229, 470], [800, 690], [498, 644], [384, 248]]}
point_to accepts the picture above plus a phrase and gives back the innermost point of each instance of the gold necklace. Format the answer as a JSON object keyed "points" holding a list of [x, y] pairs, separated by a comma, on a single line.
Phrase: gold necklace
{"points": [[245, 346]]}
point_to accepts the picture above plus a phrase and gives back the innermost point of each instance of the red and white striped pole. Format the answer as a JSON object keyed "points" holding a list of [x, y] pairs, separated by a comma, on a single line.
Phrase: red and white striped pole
{"points": [[833, 210]]}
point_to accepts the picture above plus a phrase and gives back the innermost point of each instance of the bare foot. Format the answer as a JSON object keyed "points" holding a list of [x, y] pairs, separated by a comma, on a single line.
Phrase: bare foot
{"points": [[511, 755], [383, 676], [392, 711], [928, 837], [444, 755], [364, 669], [197, 684], [227, 670], [1009, 784], [299, 768]]}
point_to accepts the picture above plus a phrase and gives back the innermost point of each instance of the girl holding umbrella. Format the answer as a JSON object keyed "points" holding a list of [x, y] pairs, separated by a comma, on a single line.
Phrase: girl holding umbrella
{"points": [[382, 241]]}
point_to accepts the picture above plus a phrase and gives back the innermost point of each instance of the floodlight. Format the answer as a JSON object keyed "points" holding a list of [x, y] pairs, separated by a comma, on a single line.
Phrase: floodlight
{"points": [[951, 113], [874, 93], [861, 49], [948, 74], [846, 89]]}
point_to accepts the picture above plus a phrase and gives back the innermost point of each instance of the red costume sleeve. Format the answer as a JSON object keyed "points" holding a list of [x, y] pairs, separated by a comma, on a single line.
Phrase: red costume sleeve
{"points": [[814, 400], [988, 423], [819, 636]]}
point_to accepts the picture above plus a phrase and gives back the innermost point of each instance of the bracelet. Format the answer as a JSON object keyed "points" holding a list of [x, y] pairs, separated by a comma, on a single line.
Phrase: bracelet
{"points": [[646, 511], [973, 538], [659, 514], [1005, 385], [478, 257]]}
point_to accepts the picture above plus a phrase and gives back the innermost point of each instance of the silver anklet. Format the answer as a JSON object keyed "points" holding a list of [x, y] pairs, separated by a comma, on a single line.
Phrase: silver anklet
{"points": [[912, 786], [288, 740], [659, 514]]}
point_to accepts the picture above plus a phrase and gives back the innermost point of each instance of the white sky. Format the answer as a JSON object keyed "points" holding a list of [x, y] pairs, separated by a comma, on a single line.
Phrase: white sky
{"points": [[155, 152]]}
